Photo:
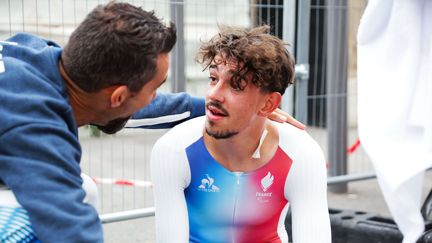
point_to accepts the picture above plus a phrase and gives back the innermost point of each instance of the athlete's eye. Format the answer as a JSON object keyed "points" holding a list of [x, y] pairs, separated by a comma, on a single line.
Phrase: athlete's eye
{"points": [[212, 80]]}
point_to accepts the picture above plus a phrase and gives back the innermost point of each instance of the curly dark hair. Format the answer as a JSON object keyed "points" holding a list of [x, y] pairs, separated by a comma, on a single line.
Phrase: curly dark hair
{"points": [[116, 44], [260, 53]]}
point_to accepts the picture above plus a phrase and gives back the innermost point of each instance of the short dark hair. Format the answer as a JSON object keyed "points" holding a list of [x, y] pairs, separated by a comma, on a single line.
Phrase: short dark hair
{"points": [[116, 44], [263, 55]]}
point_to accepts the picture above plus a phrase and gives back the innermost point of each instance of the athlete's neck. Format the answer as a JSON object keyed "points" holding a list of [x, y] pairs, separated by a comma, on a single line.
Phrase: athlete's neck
{"points": [[236, 153]]}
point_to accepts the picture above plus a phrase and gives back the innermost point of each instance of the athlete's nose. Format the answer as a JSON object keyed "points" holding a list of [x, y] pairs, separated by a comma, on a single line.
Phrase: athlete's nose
{"points": [[216, 92]]}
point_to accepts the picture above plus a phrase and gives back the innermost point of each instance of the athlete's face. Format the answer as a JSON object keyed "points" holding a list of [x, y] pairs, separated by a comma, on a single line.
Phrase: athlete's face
{"points": [[229, 110]]}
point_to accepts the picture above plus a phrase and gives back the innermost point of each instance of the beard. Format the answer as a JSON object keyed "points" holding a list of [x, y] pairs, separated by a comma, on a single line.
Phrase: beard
{"points": [[114, 125], [219, 134]]}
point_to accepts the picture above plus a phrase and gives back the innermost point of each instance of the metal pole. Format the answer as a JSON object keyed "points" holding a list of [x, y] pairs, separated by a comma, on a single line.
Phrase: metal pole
{"points": [[350, 178], [288, 34], [127, 215], [178, 76], [302, 56], [337, 65]]}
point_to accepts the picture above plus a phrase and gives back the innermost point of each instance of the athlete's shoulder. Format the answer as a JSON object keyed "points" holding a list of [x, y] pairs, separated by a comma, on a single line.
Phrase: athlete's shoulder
{"points": [[296, 141], [293, 135], [184, 134]]}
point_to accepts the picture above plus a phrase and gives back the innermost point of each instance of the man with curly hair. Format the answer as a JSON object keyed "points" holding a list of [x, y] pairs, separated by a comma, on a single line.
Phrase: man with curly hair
{"points": [[233, 174]]}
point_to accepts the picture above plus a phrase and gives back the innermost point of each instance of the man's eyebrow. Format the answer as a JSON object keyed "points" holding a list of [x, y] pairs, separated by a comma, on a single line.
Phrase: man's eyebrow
{"points": [[213, 66]]}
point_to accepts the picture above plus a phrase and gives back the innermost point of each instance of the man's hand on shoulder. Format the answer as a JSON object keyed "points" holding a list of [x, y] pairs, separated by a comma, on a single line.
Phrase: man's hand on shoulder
{"points": [[281, 116]]}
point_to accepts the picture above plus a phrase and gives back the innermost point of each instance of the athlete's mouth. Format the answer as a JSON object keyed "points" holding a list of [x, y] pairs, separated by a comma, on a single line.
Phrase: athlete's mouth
{"points": [[216, 109]]}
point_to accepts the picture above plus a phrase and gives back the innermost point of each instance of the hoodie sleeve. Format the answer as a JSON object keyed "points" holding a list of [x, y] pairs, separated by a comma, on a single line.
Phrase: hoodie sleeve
{"points": [[167, 110]]}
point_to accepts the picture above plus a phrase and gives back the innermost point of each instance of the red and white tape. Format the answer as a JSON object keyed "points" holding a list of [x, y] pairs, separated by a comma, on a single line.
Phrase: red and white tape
{"points": [[354, 146], [123, 182]]}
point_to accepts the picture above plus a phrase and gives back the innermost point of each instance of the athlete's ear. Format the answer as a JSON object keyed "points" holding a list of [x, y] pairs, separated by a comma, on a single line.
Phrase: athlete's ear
{"points": [[118, 95], [271, 103]]}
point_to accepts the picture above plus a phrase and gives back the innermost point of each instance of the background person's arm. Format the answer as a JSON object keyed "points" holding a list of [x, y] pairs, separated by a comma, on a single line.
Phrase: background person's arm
{"points": [[170, 175]]}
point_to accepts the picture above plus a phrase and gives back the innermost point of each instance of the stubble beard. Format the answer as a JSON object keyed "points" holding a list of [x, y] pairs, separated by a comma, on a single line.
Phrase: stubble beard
{"points": [[218, 134]]}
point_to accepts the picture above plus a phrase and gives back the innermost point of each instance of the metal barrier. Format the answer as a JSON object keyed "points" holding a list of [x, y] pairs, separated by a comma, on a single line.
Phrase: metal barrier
{"points": [[127, 215]]}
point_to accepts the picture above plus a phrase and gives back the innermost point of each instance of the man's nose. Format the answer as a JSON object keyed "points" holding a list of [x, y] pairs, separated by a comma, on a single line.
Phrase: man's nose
{"points": [[217, 92]]}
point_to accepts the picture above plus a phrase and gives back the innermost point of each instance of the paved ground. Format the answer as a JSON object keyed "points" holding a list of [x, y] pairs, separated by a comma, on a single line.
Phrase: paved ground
{"points": [[122, 156]]}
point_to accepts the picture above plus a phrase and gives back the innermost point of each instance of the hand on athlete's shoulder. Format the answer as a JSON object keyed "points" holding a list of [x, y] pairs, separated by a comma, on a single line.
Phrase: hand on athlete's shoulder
{"points": [[281, 116]]}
